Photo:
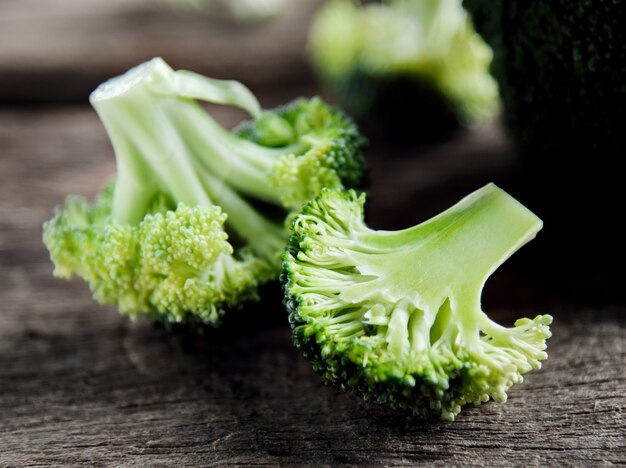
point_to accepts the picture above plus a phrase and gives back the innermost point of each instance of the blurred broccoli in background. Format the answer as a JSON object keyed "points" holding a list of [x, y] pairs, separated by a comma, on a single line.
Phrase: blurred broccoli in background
{"points": [[248, 11], [405, 64]]}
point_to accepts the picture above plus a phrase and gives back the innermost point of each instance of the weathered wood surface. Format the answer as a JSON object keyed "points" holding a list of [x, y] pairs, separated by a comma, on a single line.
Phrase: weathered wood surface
{"points": [[81, 385], [59, 50]]}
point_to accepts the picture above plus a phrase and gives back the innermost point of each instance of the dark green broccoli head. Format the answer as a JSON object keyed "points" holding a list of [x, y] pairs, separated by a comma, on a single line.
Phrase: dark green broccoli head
{"points": [[560, 65]]}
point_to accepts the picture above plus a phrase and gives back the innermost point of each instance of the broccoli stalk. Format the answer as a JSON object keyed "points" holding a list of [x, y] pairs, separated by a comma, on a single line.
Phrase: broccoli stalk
{"points": [[396, 316], [195, 220], [177, 164]]}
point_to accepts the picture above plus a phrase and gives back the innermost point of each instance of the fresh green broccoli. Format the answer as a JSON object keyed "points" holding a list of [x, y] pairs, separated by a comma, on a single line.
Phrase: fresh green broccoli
{"points": [[194, 222], [395, 316], [400, 60]]}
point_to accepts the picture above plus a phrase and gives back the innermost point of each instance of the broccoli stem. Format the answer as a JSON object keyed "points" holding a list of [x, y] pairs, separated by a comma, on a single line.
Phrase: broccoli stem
{"points": [[149, 160], [448, 257], [240, 163], [269, 238], [164, 142]]}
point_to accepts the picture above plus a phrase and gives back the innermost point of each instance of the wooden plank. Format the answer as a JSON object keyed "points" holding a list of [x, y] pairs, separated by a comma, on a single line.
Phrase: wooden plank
{"points": [[80, 384], [59, 50], [94, 389]]}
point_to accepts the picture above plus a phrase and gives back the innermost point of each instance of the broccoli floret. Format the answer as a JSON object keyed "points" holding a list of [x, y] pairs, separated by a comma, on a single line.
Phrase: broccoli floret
{"points": [[194, 221], [401, 60], [395, 316]]}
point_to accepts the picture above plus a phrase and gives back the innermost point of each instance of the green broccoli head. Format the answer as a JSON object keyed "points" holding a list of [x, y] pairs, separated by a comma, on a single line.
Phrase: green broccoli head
{"points": [[331, 140], [424, 52], [395, 315], [195, 220]]}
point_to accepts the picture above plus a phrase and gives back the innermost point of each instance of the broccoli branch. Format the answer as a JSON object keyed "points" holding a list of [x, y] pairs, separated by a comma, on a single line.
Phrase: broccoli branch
{"points": [[165, 143], [405, 305]]}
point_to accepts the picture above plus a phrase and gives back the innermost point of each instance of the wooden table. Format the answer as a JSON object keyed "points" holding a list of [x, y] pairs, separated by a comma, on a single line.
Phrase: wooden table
{"points": [[81, 385]]}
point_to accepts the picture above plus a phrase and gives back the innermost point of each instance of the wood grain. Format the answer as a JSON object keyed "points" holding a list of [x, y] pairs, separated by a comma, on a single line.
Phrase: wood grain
{"points": [[60, 50], [81, 385]]}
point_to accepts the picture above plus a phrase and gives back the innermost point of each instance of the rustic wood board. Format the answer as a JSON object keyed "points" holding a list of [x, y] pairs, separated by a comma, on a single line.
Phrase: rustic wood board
{"points": [[81, 385], [59, 50]]}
